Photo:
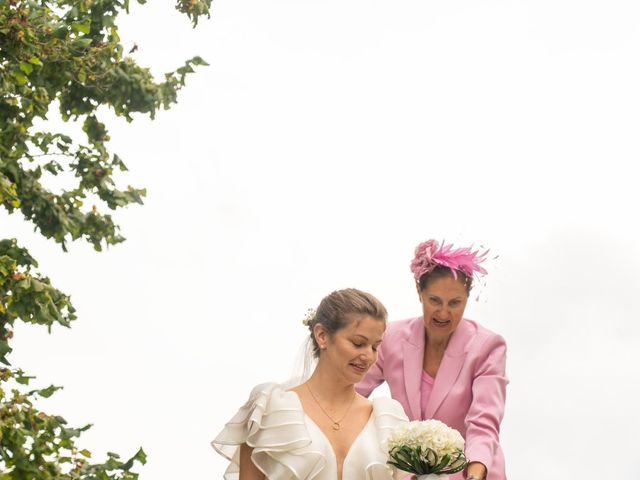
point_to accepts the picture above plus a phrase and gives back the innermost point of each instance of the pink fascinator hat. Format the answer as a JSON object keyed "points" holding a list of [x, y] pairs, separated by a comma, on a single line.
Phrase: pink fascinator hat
{"points": [[429, 254]]}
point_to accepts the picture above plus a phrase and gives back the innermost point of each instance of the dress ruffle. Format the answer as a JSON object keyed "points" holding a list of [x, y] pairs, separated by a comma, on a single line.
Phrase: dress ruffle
{"points": [[388, 414], [272, 422]]}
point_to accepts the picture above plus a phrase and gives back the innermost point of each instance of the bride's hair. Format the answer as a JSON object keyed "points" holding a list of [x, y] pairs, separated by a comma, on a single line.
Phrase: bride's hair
{"points": [[332, 314], [334, 309]]}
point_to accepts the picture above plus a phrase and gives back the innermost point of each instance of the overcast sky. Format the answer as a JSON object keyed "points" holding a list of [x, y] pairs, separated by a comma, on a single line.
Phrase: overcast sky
{"points": [[321, 145]]}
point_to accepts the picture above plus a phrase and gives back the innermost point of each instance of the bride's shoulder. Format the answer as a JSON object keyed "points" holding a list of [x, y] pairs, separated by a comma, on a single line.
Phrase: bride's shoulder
{"points": [[272, 395], [265, 389]]}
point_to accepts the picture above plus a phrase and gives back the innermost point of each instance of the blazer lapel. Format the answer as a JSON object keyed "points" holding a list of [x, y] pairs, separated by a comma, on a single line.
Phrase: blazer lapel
{"points": [[449, 369], [446, 377], [413, 354]]}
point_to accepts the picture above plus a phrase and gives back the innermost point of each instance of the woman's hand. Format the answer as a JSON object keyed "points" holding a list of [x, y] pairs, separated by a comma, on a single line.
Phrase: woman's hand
{"points": [[476, 471]]}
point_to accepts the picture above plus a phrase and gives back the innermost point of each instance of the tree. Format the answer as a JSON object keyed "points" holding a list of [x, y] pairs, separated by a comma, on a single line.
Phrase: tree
{"points": [[65, 55]]}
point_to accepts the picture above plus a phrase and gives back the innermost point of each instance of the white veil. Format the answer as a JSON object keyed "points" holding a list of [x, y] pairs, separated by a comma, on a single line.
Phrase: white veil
{"points": [[304, 364]]}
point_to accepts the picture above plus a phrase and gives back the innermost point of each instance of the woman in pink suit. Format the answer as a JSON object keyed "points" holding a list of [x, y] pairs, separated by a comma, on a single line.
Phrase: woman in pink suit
{"points": [[443, 366]]}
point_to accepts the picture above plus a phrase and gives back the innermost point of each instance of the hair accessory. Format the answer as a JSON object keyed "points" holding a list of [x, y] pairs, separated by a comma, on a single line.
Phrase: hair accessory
{"points": [[309, 316], [429, 254]]}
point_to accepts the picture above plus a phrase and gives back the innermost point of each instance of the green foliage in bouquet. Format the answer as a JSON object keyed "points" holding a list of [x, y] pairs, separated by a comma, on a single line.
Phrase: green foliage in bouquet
{"points": [[426, 446], [424, 461], [63, 55]]}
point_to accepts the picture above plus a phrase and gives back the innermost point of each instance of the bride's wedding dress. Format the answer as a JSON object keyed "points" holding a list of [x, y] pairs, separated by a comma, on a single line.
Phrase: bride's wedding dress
{"points": [[288, 445]]}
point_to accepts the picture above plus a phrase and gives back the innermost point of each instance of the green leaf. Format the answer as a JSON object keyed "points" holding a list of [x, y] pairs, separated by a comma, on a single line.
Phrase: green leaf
{"points": [[47, 392], [82, 27], [37, 285], [199, 61], [26, 67], [4, 350], [21, 378], [444, 461], [20, 78], [61, 32], [82, 42], [141, 456]]}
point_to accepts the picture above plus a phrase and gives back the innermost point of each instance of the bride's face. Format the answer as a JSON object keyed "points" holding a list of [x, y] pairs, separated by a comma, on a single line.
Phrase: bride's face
{"points": [[352, 350]]}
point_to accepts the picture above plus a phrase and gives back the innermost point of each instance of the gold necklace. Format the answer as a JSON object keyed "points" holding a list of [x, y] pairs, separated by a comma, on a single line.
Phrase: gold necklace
{"points": [[334, 424]]}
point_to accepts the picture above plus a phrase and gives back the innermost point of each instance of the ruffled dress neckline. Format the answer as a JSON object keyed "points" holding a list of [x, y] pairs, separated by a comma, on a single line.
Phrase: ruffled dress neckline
{"points": [[334, 457], [288, 445]]}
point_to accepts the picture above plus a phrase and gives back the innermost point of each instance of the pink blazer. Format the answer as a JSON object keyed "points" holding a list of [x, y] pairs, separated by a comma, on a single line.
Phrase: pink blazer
{"points": [[469, 390]]}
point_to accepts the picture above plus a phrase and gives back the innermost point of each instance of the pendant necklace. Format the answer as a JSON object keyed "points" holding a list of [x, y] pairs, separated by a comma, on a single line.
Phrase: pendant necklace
{"points": [[335, 424]]}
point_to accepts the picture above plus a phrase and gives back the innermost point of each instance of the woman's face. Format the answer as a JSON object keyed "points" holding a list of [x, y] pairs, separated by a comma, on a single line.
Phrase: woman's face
{"points": [[443, 302], [352, 350]]}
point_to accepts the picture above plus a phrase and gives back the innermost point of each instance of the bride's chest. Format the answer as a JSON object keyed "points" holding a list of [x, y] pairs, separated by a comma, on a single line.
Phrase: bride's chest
{"points": [[354, 456]]}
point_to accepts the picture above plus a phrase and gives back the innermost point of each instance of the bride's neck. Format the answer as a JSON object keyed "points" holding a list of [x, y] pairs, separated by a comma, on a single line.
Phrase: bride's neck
{"points": [[324, 384]]}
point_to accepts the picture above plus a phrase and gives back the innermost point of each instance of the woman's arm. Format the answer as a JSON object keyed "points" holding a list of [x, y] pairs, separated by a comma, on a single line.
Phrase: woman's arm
{"points": [[487, 407], [248, 471]]}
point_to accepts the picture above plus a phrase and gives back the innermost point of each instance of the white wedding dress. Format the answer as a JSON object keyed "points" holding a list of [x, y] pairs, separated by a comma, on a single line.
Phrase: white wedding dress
{"points": [[288, 445]]}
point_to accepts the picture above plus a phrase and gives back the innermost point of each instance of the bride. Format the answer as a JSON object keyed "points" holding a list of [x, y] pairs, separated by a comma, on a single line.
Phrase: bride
{"points": [[322, 428]]}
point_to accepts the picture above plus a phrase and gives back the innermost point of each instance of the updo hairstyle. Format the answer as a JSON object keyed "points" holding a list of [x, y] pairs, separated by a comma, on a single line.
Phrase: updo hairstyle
{"points": [[334, 308], [440, 271]]}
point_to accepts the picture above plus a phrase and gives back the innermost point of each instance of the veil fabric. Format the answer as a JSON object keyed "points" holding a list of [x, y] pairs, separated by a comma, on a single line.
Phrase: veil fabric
{"points": [[304, 365]]}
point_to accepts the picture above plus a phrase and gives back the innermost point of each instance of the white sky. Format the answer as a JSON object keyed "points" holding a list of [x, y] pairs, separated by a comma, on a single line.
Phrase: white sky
{"points": [[323, 143]]}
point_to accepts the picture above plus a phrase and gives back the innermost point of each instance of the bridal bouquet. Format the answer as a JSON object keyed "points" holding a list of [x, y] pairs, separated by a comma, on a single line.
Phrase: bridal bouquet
{"points": [[427, 447]]}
